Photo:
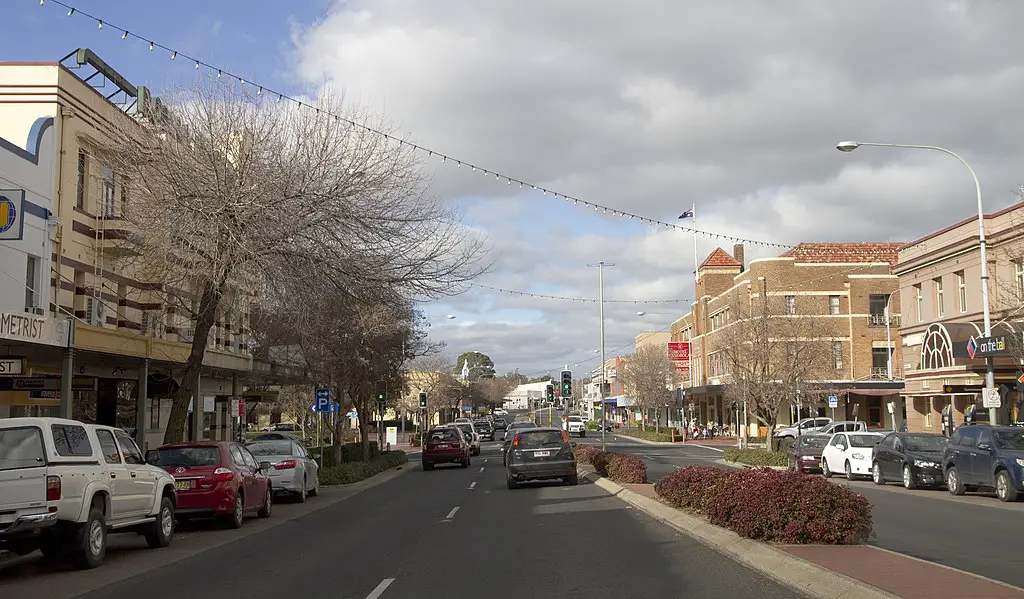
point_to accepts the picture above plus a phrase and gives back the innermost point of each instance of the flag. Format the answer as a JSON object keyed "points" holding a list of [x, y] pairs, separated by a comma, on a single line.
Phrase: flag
{"points": [[687, 214]]}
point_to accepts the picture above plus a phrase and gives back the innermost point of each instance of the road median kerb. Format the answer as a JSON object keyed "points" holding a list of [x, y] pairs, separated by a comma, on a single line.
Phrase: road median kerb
{"points": [[803, 576]]}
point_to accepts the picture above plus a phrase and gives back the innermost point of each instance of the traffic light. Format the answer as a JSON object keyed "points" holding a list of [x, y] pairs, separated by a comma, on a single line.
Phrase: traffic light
{"points": [[550, 391], [382, 394], [423, 400], [566, 384]]}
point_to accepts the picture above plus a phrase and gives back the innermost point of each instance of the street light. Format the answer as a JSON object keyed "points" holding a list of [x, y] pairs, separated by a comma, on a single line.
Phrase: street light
{"points": [[451, 317], [600, 266], [990, 377]]}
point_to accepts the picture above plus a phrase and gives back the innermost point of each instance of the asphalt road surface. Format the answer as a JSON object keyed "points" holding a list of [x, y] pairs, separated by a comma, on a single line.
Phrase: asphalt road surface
{"points": [[976, 533], [452, 532]]}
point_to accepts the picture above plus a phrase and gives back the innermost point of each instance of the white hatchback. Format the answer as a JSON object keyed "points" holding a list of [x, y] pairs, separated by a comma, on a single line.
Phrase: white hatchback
{"points": [[849, 453]]}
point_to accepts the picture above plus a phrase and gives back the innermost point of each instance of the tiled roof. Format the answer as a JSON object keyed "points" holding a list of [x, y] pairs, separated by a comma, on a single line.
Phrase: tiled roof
{"points": [[720, 258], [845, 252]]}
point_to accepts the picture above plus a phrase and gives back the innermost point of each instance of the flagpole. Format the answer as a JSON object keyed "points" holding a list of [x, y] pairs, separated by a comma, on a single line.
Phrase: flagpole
{"points": [[696, 264]]}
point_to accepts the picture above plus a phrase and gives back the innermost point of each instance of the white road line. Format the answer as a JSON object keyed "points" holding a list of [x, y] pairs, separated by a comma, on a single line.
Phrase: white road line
{"points": [[485, 460], [481, 470], [708, 447], [383, 586], [471, 485], [451, 514]]}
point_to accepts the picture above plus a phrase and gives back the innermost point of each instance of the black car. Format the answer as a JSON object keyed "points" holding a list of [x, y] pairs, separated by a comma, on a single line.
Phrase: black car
{"points": [[484, 428], [913, 458], [540, 454], [985, 456]]}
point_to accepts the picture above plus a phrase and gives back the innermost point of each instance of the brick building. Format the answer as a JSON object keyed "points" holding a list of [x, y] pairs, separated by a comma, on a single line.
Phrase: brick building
{"points": [[833, 292]]}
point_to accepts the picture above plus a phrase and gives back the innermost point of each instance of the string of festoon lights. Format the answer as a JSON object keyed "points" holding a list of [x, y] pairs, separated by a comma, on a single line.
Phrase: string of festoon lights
{"points": [[262, 90], [586, 300]]}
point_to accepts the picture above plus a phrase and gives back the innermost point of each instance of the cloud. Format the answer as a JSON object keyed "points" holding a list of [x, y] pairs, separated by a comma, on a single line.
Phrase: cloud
{"points": [[733, 106]]}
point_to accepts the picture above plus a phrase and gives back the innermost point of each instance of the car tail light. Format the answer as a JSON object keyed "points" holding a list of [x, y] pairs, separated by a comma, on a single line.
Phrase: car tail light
{"points": [[53, 488], [515, 442], [284, 465], [222, 475]]}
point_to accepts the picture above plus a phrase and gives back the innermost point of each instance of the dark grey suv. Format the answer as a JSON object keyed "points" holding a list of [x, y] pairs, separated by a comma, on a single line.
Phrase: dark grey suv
{"points": [[540, 454]]}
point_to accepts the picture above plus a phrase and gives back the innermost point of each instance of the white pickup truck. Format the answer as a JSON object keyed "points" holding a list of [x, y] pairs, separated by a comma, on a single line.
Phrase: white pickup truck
{"points": [[64, 485]]}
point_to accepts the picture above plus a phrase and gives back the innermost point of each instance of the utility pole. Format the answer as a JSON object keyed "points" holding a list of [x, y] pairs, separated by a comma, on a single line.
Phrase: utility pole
{"points": [[600, 266]]}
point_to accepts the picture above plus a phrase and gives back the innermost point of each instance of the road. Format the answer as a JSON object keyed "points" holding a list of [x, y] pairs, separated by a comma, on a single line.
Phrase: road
{"points": [[975, 533], [451, 532]]}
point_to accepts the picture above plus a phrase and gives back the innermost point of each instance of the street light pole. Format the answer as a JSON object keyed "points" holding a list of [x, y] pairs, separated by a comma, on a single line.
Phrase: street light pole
{"points": [[604, 409], [990, 377]]}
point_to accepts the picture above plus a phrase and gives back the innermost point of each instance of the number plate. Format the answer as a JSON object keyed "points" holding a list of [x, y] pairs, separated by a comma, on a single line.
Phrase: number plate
{"points": [[442, 446], [182, 485], [541, 454]]}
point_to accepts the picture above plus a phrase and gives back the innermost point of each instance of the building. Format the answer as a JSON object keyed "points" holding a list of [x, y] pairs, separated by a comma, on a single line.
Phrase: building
{"points": [[653, 338], [832, 295], [940, 289], [127, 341], [526, 396]]}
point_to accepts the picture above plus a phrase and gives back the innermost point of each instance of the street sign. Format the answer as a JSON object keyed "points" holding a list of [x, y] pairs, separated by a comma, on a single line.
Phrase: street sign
{"points": [[990, 398], [323, 399], [1020, 379], [12, 366], [833, 401]]}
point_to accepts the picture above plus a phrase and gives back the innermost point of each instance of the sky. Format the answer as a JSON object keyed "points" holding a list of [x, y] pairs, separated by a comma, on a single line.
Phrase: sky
{"points": [[734, 106]]}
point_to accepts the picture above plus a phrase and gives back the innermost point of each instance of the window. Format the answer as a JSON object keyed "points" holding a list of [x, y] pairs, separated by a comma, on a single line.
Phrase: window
{"points": [[961, 286], [919, 301], [1018, 277], [32, 282], [108, 447], [83, 168], [940, 307], [833, 304], [21, 447], [236, 456], [718, 364], [837, 354], [249, 460], [131, 452], [71, 440], [876, 304], [790, 304], [109, 205]]}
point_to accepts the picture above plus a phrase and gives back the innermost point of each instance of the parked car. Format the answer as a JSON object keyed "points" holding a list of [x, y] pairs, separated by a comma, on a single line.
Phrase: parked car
{"points": [[540, 454], [985, 456], [850, 453], [913, 458], [445, 444], [469, 430], [576, 425], [294, 471], [484, 428], [844, 426], [221, 479], [785, 435], [65, 485], [805, 454]]}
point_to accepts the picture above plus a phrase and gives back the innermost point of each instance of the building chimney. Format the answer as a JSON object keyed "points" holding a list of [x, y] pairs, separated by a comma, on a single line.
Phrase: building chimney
{"points": [[737, 253]]}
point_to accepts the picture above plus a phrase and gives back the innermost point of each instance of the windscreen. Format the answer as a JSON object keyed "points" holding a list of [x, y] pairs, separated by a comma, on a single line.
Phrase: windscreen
{"points": [[575, 419], [924, 442], [467, 428], [1010, 440], [537, 439], [813, 442], [270, 448], [21, 448], [192, 457]]}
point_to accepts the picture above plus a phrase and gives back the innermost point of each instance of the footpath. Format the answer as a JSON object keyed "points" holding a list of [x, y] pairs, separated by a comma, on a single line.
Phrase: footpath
{"points": [[825, 571]]}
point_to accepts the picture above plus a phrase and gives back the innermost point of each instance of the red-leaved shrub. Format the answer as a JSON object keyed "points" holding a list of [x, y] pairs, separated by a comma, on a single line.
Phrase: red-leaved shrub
{"points": [[600, 462], [585, 453], [771, 505], [627, 469]]}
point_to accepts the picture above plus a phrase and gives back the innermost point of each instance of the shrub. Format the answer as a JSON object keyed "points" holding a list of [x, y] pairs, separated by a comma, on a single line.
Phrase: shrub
{"points": [[600, 461], [353, 452], [627, 469], [771, 505], [755, 457], [662, 436], [351, 472], [585, 453]]}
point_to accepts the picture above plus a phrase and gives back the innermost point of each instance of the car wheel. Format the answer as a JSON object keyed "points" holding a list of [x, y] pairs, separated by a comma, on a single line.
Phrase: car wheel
{"points": [[268, 504], [953, 483], [583, 434], [303, 493], [161, 531], [849, 471], [237, 516], [511, 483], [876, 474], [466, 462], [573, 480], [316, 488], [1004, 487], [908, 478], [825, 471], [91, 541], [427, 466]]}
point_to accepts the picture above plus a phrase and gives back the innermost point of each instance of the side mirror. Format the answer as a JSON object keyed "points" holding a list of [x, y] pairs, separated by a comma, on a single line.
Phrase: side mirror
{"points": [[984, 447], [264, 466], [152, 457], [317, 456]]}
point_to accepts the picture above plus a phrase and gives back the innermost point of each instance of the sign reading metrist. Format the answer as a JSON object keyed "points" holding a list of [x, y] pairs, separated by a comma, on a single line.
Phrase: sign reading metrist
{"points": [[33, 329]]}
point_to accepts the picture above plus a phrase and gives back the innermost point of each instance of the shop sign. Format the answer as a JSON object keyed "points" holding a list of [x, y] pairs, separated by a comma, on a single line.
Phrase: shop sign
{"points": [[34, 329], [12, 366]]}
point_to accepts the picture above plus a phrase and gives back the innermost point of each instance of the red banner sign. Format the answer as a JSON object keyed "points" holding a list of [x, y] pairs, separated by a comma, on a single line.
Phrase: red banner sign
{"points": [[679, 353]]}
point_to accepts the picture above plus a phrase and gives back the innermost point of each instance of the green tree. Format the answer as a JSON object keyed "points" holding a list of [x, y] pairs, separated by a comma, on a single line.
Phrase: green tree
{"points": [[480, 366]]}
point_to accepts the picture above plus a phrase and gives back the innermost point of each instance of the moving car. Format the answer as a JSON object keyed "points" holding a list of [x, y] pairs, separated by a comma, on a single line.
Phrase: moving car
{"points": [[913, 458], [576, 425], [445, 445], [65, 485], [472, 437], [216, 478], [500, 424], [484, 428], [805, 454], [294, 471], [540, 454], [510, 435], [850, 453]]}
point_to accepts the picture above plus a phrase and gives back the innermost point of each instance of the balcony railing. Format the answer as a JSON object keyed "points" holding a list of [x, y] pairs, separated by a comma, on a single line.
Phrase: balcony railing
{"points": [[878, 320], [882, 372]]}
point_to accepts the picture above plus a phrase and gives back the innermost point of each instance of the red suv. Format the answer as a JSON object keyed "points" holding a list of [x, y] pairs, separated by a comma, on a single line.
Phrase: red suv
{"points": [[216, 478], [445, 444]]}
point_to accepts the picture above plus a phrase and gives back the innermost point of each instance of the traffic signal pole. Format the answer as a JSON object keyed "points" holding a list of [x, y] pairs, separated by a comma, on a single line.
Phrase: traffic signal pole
{"points": [[604, 409]]}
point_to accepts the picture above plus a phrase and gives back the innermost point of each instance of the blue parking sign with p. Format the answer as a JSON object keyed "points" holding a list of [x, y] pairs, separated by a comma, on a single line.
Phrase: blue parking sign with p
{"points": [[323, 399]]}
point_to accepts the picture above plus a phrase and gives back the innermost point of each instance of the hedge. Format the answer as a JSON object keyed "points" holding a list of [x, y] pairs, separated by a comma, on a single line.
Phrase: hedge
{"points": [[770, 505], [334, 455], [351, 472], [619, 467], [755, 457], [665, 436]]}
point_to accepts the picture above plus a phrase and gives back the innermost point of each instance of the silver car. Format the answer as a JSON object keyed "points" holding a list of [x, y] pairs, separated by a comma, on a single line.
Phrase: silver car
{"points": [[293, 470]]}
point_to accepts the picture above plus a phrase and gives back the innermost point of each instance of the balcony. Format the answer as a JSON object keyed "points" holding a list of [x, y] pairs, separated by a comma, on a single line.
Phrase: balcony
{"points": [[878, 320], [881, 373]]}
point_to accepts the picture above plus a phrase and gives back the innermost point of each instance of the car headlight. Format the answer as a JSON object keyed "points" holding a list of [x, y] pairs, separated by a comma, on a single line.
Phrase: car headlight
{"points": [[927, 464], [857, 456], [1020, 462]]}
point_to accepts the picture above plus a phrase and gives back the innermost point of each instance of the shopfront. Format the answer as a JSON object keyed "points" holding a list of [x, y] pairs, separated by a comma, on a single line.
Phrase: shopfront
{"points": [[30, 352]]}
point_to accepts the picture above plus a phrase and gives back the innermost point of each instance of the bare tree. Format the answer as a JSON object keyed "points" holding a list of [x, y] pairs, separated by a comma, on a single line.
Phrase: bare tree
{"points": [[767, 354], [235, 199], [649, 377]]}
